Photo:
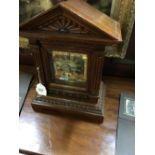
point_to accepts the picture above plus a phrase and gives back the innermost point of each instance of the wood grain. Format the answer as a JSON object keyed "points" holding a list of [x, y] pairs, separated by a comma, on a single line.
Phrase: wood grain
{"points": [[59, 135], [96, 18], [81, 15]]}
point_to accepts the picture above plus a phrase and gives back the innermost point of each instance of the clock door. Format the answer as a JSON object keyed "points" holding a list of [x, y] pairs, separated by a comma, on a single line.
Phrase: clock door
{"points": [[67, 70]]}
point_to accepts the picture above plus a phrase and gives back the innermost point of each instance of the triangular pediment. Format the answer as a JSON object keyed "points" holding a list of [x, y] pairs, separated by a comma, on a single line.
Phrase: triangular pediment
{"points": [[66, 18], [64, 24]]}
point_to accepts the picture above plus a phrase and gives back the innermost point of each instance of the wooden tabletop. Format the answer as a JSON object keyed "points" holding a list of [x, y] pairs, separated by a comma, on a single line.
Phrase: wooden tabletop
{"points": [[56, 135]]}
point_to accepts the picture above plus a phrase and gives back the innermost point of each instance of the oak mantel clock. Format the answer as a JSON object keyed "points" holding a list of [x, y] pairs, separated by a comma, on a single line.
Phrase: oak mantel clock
{"points": [[67, 42]]}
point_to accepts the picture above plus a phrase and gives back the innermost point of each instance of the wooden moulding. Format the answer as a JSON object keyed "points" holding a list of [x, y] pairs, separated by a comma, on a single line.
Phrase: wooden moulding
{"points": [[71, 26], [83, 110]]}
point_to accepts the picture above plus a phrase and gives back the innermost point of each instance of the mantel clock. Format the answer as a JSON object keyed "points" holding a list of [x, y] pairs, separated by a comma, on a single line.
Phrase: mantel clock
{"points": [[68, 44]]}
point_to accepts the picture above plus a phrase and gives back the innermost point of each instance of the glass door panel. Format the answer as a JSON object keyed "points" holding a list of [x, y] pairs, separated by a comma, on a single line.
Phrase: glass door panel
{"points": [[69, 67]]}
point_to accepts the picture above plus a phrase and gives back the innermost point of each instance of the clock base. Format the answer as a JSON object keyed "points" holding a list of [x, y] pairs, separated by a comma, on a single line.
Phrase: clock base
{"points": [[84, 110]]}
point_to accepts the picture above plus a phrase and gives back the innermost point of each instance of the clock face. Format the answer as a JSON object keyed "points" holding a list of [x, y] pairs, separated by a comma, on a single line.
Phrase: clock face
{"points": [[69, 67]]}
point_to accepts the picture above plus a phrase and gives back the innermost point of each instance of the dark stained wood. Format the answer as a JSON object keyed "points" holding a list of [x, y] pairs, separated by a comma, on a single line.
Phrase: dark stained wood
{"points": [[27, 69], [71, 26], [60, 135], [68, 106], [95, 73], [110, 67], [25, 57], [82, 15], [94, 17]]}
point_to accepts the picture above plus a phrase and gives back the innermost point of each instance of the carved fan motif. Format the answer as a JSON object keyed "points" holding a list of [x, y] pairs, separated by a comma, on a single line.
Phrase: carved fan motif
{"points": [[63, 24]]}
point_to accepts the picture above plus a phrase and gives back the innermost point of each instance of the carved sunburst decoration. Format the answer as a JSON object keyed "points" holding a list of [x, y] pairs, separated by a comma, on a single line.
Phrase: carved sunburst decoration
{"points": [[64, 24]]}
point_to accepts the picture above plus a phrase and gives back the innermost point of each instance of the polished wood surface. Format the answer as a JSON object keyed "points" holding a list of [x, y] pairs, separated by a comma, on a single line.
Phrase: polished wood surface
{"points": [[95, 17], [59, 135], [74, 17], [71, 26]]}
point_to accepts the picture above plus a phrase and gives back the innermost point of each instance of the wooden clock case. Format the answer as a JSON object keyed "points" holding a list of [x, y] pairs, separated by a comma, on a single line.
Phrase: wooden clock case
{"points": [[71, 26]]}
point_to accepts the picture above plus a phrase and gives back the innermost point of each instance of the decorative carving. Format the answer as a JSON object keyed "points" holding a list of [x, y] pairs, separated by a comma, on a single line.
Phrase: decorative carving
{"points": [[70, 104], [92, 110], [68, 94], [71, 26], [64, 25]]}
